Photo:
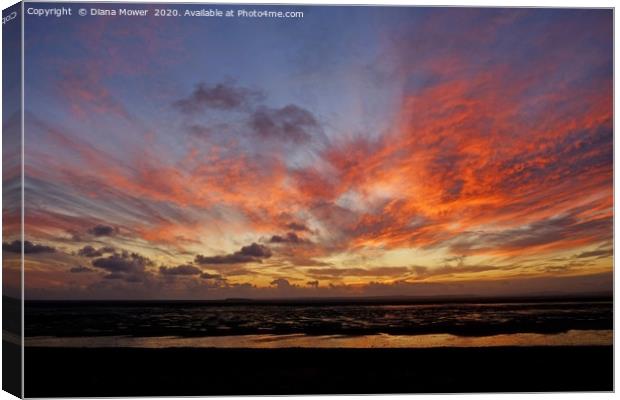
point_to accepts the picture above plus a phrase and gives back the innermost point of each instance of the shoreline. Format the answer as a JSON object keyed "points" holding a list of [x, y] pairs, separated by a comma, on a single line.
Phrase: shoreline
{"points": [[379, 340], [73, 372]]}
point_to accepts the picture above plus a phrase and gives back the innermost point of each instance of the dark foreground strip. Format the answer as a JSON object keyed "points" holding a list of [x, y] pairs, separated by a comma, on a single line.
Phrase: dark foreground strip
{"points": [[52, 372]]}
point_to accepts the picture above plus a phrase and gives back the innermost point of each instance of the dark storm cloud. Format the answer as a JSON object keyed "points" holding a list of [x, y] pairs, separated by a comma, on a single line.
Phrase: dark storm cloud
{"points": [[185, 269], [80, 269], [252, 253], [281, 283], [234, 258], [290, 237], [222, 96], [122, 262], [294, 226], [91, 252], [29, 247], [206, 275], [213, 281], [127, 266], [290, 123], [103, 230], [256, 250]]}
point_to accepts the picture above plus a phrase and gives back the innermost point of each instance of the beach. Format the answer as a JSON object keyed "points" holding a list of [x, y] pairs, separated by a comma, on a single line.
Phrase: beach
{"points": [[80, 349]]}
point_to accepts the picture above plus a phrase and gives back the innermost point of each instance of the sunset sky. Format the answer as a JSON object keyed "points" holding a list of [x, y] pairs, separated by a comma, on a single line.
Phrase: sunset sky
{"points": [[353, 152]]}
